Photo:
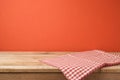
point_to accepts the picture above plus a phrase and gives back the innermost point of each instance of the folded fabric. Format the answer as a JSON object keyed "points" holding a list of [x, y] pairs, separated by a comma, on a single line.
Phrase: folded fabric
{"points": [[99, 56], [77, 66]]}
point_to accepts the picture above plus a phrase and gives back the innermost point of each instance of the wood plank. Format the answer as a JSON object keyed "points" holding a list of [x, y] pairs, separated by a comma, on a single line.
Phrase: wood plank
{"points": [[30, 62], [54, 76]]}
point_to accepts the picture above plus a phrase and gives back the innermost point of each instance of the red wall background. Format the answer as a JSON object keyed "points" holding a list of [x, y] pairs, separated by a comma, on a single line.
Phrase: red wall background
{"points": [[59, 25]]}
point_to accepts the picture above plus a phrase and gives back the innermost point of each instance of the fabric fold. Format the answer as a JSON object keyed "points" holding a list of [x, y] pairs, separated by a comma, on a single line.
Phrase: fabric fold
{"points": [[77, 66]]}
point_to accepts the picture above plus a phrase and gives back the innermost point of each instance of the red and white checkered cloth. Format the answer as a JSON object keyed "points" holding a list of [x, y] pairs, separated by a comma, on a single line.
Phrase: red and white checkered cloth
{"points": [[77, 66]]}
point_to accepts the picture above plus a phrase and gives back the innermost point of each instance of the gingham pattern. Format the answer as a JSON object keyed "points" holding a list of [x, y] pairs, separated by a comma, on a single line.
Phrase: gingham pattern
{"points": [[99, 56], [80, 65]]}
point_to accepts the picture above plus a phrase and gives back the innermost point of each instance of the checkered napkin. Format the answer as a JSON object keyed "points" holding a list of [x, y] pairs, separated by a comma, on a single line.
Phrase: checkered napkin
{"points": [[77, 66]]}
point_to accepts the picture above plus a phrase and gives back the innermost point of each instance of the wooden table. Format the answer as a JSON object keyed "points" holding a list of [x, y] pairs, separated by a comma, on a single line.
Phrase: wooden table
{"points": [[27, 66]]}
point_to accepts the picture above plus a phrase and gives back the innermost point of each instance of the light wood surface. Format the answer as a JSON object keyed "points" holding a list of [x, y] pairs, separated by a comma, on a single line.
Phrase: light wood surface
{"points": [[27, 66], [30, 62]]}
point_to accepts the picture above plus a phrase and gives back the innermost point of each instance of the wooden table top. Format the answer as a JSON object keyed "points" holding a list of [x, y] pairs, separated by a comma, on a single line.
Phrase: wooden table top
{"points": [[30, 62]]}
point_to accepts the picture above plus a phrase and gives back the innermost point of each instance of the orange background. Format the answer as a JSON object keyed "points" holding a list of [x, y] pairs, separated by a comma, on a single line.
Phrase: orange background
{"points": [[59, 25]]}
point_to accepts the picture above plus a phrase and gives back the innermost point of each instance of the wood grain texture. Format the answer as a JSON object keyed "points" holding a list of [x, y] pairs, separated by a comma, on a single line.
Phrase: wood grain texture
{"points": [[54, 76], [27, 66], [30, 62], [32, 76]]}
